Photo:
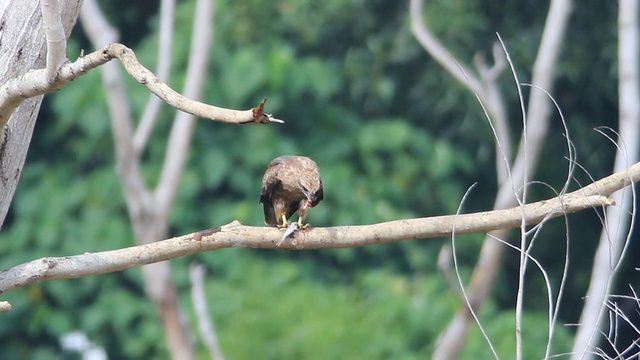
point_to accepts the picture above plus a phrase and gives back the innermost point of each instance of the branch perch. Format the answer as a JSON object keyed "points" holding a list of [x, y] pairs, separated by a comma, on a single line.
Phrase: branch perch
{"points": [[235, 234], [39, 82]]}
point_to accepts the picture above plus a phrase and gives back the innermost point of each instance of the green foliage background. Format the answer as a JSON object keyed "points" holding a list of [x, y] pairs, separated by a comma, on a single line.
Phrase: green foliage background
{"points": [[395, 137]]}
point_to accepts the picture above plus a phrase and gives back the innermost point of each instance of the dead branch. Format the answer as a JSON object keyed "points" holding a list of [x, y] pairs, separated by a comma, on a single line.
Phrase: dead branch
{"points": [[235, 234], [37, 82], [614, 238]]}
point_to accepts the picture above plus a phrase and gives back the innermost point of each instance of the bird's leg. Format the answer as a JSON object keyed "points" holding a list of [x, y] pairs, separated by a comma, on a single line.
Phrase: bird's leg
{"points": [[304, 206], [301, 223], [284, 222], [293, 226]]}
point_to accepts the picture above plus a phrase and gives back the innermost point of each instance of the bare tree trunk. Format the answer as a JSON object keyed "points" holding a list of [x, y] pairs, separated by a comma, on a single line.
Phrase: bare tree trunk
{"points": [[207, 331], [615, 233], [149, 209], [23, 49]]}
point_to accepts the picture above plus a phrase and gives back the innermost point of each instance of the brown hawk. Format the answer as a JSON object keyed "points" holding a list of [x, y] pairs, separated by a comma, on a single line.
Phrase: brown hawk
{"points": [[290, 184]]}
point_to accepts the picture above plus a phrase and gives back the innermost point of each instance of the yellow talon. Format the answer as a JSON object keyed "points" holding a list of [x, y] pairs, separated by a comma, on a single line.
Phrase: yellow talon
{"points": [[284, 222], [301, 225]]}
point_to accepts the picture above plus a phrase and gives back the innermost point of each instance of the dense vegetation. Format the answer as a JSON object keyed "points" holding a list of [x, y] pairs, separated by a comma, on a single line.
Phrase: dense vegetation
{"points": [[395, 137]]}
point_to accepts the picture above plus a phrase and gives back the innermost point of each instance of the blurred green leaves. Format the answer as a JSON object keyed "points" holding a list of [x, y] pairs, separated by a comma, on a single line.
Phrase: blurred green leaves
{"points": [[394, 137]]}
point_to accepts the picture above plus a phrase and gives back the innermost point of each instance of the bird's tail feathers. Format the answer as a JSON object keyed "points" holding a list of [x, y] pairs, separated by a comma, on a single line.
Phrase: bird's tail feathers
{"points": [[269, 215]]}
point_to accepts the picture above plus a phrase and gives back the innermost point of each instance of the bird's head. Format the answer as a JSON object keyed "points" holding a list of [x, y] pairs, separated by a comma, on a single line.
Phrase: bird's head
{"points": [[310, 199], [312, 190], [313, 198]]}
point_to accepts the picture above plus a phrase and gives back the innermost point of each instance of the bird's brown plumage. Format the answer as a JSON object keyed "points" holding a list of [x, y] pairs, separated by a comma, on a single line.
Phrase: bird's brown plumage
{"points": [[290, 184]]}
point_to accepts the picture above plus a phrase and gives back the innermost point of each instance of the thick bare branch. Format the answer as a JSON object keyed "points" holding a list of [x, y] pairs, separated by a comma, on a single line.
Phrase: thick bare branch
{"points": [[483, 85], [173, 98], [183, 124], [150, 114], [56, 39], [539, 105], [99, 31], [238, 235], [34, 83], [615, 234], [432, 45]]}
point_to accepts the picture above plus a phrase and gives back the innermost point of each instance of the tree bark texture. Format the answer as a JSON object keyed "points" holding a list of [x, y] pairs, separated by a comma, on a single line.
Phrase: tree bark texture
{"points": [[23, 49]]}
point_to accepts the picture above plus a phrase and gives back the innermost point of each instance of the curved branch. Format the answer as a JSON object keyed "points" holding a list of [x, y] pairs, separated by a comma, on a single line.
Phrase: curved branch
{"points": [[431, 44], [147, 78], [238, 235], [483, 85], [36, 82]]}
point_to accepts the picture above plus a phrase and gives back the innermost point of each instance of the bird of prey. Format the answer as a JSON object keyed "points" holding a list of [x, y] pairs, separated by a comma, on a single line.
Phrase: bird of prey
{"points": [[290, 184]]}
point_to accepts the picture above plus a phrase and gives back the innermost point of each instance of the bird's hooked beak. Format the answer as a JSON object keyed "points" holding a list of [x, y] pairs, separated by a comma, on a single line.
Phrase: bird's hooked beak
{"points": [[309, 202], [309, 197]]}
